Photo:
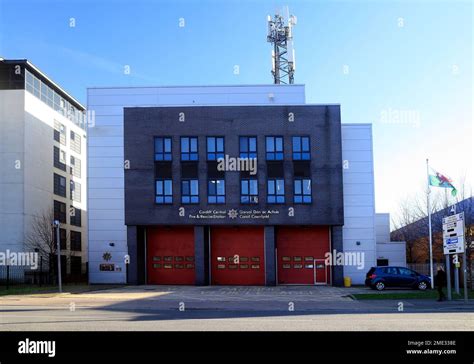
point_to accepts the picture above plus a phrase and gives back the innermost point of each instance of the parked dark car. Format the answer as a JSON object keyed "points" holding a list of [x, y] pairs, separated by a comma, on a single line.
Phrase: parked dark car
{"points": [[380, 277]]}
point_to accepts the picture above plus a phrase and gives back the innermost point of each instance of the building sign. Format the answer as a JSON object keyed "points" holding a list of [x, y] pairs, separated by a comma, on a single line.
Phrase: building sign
{"points": [[233, 214], [107, 267]]}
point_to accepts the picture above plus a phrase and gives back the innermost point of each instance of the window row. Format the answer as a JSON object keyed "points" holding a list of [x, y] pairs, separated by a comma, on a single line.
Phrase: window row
{"points": [[274, 148], [75, 238], [59, 135], [54, 100], [216, 191], [59, 157], [59, 188], [60, 213]]}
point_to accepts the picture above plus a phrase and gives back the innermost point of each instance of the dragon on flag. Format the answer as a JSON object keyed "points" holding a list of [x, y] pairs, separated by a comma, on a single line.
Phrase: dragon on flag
{"points": [[440, 180]]}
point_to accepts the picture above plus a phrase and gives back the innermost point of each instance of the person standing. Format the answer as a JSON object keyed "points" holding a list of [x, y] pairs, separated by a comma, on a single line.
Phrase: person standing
{"points": [[440, 281]]}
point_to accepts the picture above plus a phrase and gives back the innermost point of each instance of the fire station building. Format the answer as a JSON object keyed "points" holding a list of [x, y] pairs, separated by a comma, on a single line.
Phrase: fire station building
{"points": [[239, 185]]}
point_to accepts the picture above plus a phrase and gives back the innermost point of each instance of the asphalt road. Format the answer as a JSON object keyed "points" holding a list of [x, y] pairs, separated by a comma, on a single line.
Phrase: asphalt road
{"points": [[228, 308]]}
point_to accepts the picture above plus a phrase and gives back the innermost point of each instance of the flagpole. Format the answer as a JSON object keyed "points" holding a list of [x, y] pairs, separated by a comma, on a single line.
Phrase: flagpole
{"points": [[429, 223]]}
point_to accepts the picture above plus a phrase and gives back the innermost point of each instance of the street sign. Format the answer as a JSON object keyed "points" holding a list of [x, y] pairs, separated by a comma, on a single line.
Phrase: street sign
{"points": [[453, 234]]}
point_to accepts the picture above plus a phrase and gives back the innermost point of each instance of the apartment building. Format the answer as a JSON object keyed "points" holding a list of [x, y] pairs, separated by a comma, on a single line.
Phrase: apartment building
{"points": [[43, 162]]}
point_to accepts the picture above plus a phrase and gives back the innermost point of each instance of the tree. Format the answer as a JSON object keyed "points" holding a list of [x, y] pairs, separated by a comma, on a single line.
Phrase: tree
{"points": [[41, 238]]}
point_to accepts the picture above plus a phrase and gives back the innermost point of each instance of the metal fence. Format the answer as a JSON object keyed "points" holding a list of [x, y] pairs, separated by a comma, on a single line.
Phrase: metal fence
{"points": [[15, 276], [423, 268]]}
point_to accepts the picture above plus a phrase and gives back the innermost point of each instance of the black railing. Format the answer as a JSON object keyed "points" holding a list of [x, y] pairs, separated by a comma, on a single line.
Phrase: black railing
{"points": [[17, 276]]}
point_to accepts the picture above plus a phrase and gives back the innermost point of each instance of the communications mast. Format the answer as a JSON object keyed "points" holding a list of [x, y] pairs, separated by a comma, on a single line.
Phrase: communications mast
{"points": [[280, 34]]}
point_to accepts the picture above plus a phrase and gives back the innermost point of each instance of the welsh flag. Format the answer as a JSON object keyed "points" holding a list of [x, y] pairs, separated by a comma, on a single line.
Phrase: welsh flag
{"points": [[439, 180]]}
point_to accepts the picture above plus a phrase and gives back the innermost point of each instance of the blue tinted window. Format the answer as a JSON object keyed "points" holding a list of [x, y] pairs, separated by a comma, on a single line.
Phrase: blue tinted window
{"points": [[248, 191], [301, 148], [189, 149], [302, 191], [275, 191], [162, 149], [215, 148], [248, 147], [164, 191], [216, 191], [190, 191], [274, 148]]}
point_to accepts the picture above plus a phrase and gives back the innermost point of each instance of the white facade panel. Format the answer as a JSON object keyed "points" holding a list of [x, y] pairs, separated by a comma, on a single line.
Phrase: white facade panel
{"points": [[394, 252], [105, 193], [106, 204], [106, 151], [107, 183], [106, 172], [359, 201], [107, 224], [382, 227]]}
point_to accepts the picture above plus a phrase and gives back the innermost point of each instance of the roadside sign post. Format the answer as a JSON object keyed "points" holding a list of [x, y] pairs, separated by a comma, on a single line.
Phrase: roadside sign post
{"points": [[453, 244], [126, 260], [456, 272], [448, 275], [464, 269], [57, 224]]}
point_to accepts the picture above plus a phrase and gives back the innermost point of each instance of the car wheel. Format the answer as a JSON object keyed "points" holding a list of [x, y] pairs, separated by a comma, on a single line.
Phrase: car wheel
{"points": [[380, 286], [422, 286]]}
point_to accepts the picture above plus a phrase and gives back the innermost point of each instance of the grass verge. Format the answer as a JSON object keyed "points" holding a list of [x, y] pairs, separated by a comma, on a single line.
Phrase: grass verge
{"points": [[73, 288], [429, 294]]}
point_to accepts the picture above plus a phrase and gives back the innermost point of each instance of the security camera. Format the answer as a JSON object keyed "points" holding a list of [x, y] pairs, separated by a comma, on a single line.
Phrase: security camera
{"points": [[56, 223]]}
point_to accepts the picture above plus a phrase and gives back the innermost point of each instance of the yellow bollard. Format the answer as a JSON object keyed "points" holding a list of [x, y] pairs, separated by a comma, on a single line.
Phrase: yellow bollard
{"points": [[347, 281]]}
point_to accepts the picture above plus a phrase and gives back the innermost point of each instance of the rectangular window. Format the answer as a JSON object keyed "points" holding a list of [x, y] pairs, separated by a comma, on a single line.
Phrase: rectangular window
{"points": [[62, 239], [59, 159], [190, 191], [75, 168], [60, 212], [215, 148], [75, 142], [75, 191], [59, 132], [75, 217], [301, 149], [302, 190], [164, 191], [189, 148], [76, 265], [216, 191], [76, 241], [59, 185], [248, 147], [276, 191], [274, 148], [162, 149], [248, 191]]}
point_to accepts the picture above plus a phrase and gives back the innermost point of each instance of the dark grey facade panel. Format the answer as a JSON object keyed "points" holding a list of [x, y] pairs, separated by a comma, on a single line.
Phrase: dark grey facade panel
{"points": [[322, 123]]}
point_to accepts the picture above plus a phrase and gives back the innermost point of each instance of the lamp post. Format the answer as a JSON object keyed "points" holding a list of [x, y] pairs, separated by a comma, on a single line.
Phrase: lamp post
{"points": [[56, 224]]}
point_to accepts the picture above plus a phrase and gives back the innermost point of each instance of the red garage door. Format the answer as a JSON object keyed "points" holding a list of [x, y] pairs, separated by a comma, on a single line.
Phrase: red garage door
{"points": [[237, 256], [300, 255], [170, 255]]}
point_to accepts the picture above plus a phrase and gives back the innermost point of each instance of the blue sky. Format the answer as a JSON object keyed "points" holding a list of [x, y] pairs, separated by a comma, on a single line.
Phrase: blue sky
{"points": [[409, 62]]}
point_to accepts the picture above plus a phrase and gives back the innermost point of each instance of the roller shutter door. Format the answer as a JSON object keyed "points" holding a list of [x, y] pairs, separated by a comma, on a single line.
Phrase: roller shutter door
{"points": [[237, 256], [170, 255], [301, 254]]}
